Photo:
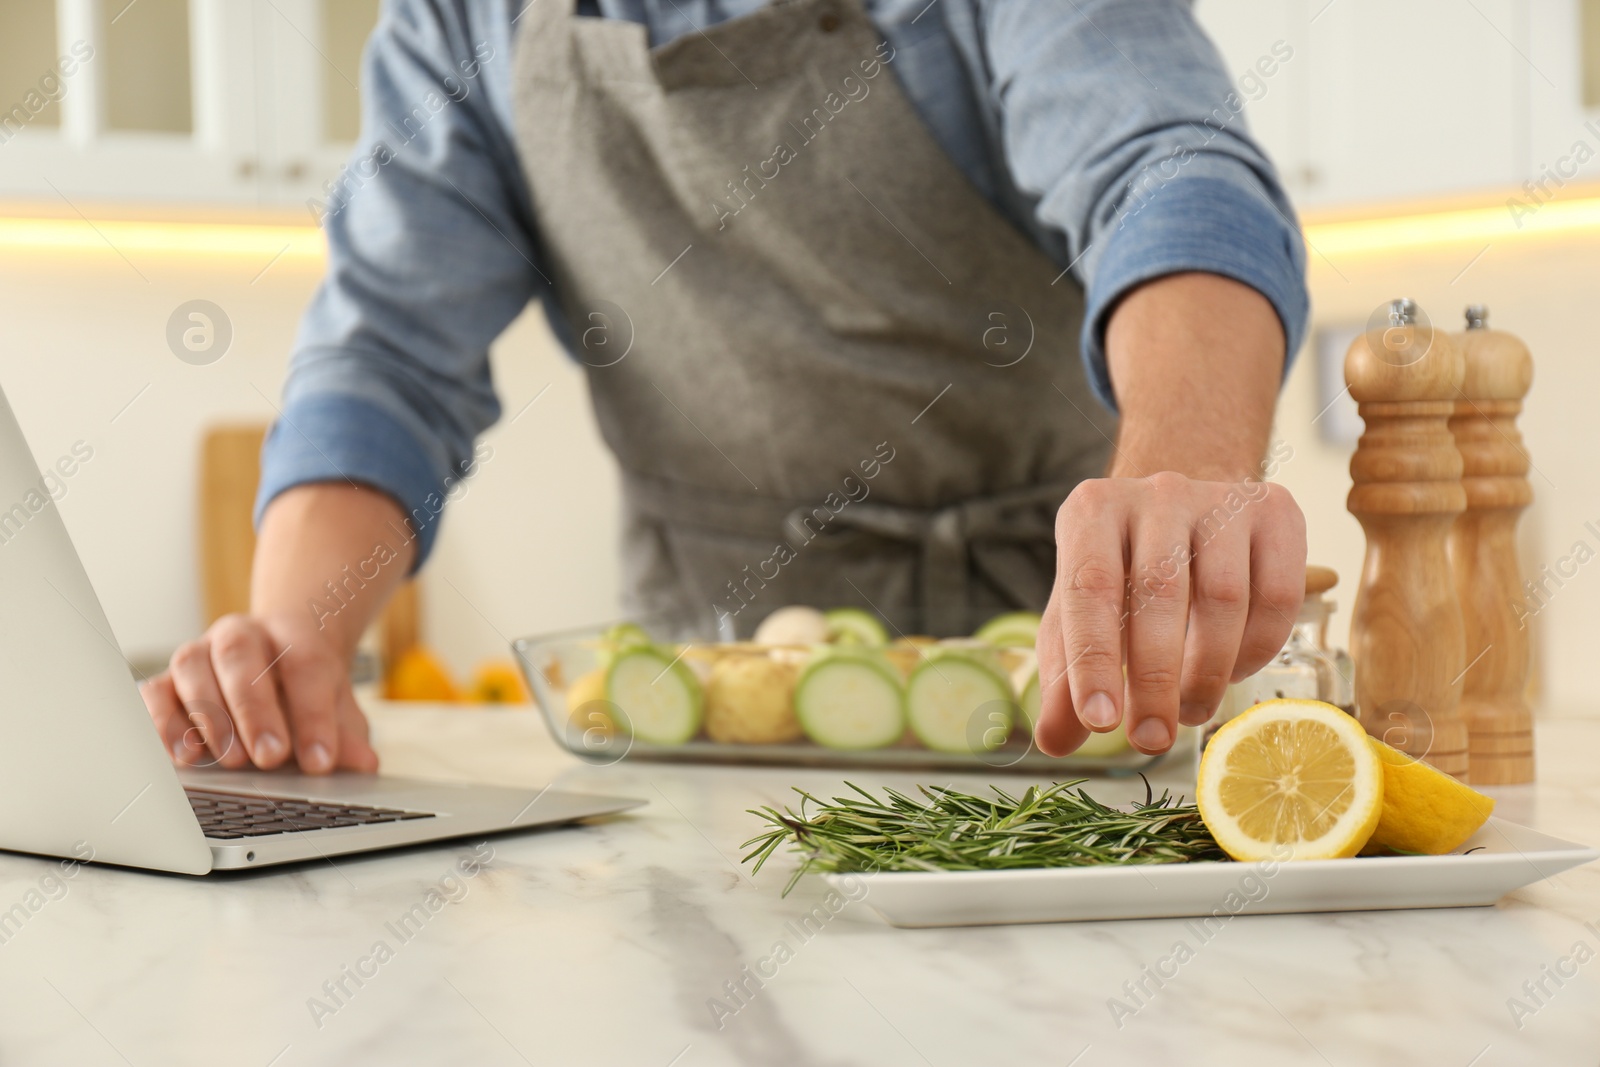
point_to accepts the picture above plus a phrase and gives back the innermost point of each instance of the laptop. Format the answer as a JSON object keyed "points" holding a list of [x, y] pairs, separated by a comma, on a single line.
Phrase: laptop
{"points": [[83, 772]]}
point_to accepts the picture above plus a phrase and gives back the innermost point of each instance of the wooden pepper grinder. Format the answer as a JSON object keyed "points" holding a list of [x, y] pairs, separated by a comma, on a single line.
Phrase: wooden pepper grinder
{"points": [[1406, 629], [1483, 551]]}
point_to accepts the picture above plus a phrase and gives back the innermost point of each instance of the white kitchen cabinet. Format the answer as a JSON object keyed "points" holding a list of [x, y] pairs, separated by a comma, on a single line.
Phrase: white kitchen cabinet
{"points": [[1254, 36], [1389, 101], [255, 110], [1563, 131], [313, 80], [1419, 98], [1376, 100]]}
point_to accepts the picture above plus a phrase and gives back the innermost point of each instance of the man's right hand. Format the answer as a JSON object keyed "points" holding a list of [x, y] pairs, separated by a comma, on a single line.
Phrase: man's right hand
{"points": [[258, 692], [261, 689]]}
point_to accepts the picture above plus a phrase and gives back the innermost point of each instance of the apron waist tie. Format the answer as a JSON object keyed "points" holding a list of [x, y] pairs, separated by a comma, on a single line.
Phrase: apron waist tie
{"points": [[945, 536]]}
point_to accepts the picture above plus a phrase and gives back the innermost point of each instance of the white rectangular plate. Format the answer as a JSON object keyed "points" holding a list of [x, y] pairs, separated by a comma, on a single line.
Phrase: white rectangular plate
{"points": [[1509, 856]]}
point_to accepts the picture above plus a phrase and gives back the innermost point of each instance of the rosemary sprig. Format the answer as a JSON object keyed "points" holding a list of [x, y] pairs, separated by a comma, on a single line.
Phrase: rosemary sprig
{"points": [[1055, 826]]}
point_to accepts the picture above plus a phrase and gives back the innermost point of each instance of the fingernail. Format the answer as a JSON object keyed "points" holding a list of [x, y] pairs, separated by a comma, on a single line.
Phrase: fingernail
{"points": [[1100, 711], [317, 758], [268, 748], [180, 751], [1152, 735], [1193, 714]]}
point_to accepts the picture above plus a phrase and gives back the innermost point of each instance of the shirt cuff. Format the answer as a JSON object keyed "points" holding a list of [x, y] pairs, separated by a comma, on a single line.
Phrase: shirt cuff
{"points": [[1199, 224], [337, 437]]}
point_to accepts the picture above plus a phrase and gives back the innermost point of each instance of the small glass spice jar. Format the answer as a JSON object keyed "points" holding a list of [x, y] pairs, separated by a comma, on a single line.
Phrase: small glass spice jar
{"points": [[1306, 669]]}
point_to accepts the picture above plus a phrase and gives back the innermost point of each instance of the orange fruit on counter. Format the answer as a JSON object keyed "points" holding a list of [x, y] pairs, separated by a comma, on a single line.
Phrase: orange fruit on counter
{"points": [[498, 682], [418, 675]]}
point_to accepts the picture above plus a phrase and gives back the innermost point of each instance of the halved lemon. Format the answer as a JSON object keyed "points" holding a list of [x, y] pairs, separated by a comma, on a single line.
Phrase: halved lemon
{"points": [[1424, 809], [1291, 779]]}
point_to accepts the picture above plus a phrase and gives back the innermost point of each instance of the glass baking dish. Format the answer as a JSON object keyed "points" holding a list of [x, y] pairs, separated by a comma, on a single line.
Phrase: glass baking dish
{"points": [[560, 664]]}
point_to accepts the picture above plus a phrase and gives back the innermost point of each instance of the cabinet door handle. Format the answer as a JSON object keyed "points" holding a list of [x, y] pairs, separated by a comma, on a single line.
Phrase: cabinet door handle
{"points": [[295, 170], [247, 167]]}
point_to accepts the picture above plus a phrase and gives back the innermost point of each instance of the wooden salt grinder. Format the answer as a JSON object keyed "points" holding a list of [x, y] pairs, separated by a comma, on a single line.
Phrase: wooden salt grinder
{"points": [[1483, 552], [1406, 629]]}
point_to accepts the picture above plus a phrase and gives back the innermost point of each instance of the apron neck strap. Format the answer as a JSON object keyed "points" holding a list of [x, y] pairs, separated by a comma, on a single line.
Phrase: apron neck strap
{"points": [[545, 10]]}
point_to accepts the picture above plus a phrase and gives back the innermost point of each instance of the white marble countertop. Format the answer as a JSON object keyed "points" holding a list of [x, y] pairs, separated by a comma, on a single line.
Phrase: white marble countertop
{"points": [[606, 944]]}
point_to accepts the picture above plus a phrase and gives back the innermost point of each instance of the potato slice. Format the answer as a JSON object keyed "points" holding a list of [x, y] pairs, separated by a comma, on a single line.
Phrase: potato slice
{"points": [[750, 701]]}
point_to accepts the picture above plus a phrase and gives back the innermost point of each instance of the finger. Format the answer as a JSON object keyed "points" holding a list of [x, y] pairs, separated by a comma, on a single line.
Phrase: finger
{"points": [[1058, 730], [1091, 586], [1277, 578], [311, 697], [171, 721], [242, 661], [1219, 603], [355, 750], [203, 702], [1158, 606]]}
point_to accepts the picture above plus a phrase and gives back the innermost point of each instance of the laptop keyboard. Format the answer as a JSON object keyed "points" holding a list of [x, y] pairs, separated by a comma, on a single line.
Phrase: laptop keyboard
{"points": [[235, 815]]}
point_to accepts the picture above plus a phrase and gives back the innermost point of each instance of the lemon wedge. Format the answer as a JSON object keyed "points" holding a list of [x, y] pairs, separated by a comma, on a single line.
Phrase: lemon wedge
{"points": [[1291, 779], [1424, 809]]}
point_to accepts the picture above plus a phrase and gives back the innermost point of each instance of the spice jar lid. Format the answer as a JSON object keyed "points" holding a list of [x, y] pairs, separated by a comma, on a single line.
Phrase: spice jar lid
{"points": [[1320, 579]]}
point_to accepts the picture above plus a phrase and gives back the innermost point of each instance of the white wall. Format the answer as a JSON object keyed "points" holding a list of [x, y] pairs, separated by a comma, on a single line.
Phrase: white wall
{"points": [[531, 546]]}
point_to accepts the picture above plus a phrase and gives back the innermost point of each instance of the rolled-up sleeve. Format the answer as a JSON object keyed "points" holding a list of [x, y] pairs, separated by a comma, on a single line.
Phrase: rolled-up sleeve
{"points": [[1121, 127], [430, 256]]}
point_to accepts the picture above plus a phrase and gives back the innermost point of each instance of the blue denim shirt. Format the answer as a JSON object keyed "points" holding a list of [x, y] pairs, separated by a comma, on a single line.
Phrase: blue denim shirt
{"points": [[1107, 130]]}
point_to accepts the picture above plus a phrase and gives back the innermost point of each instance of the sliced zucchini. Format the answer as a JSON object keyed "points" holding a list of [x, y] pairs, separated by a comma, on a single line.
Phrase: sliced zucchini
{"points": [[1030, 700], [625, 635], [622, 635], [850, 701], [956, 703], [1110, 743], [852, 626], [659, 699], [1096, 746], [1014, 629], [980, 652]]}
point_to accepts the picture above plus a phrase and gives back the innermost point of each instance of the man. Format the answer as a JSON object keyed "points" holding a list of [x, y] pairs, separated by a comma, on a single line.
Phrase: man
{"points": [[798, 245]]}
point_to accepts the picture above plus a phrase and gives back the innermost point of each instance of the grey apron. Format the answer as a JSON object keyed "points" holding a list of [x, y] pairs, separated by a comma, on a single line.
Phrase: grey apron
{"points": [[832, 373]]}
